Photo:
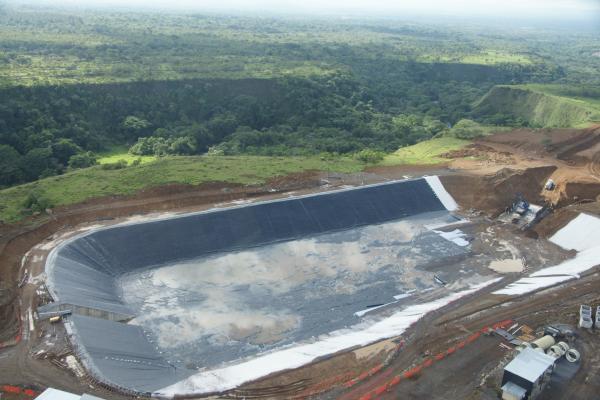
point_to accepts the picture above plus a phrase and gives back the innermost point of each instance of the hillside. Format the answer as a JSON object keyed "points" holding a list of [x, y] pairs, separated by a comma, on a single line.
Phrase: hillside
{"points": [[536, 106], [80, 185], [83, 184]]}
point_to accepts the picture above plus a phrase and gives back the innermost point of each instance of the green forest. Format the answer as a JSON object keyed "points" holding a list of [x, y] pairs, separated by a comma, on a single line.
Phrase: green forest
{"points": [[75, 84]]}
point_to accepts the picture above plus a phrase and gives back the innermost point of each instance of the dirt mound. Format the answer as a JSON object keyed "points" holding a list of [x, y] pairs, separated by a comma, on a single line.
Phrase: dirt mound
{"points": [[580, 191], [295, 181], [563, 144], [571, 150], [481, 151], [493, 193]]}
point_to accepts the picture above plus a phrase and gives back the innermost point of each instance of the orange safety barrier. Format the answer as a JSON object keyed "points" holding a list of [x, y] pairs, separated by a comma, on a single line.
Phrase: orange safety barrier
{"points": [[376, 369], [380, 390], [11, 389], [395, 380], [368, 373], [473, 337], [428, 362], [324, 385]]}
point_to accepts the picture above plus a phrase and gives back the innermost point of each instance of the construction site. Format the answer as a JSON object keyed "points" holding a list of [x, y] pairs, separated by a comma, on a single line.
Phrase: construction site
{"points": [[475, 278]]}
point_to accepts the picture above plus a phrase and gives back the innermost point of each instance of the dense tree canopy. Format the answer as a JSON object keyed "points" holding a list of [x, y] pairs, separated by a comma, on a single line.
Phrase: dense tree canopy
{"points": [[73, 85]]}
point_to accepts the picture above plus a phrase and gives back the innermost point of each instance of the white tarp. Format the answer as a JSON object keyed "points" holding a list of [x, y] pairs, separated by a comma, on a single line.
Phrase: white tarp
{"points": [[441, 193], [583, 234], [457, 236], [580, 234], [294, 357]]}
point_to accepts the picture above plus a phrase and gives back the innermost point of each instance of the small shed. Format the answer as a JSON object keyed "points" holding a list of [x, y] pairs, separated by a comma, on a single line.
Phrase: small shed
{"points": [[527, 375], [55, 394]]}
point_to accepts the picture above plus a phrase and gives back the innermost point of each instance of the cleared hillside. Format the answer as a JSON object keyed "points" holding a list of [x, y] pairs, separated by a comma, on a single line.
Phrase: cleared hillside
{"points": [[537, 107]]}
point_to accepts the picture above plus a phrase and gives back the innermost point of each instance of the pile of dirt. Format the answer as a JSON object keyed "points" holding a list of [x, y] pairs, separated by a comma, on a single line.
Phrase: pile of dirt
{"points": [[570, 145], [580, 191], [480, 151], [300, 180], [493, 193]]}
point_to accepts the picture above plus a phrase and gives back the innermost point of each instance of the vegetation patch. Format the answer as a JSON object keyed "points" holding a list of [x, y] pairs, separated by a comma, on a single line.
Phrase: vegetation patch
{"points": [[119, 153], [492, 57], [427, 152], [538, 106], [489, 57], [79, 185]]}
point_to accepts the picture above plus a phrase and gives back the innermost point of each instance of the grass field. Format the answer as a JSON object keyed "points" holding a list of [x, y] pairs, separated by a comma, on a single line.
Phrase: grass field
{"points": [[491, 57], [79, 185], [488, 57], [427, 152], [550, 106], [589, 95]]}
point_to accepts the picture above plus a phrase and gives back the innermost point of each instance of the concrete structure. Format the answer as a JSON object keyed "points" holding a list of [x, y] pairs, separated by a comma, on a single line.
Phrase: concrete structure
{"points": [[558, 350], [585, 317], [572, 355], [526, 376], [585, 310], [55, 394], [544, 343], [598, 317]]}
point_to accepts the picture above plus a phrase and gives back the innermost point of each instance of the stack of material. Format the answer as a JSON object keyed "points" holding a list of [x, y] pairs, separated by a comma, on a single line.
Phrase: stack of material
{"points": [[526, 334], [585, 317]]}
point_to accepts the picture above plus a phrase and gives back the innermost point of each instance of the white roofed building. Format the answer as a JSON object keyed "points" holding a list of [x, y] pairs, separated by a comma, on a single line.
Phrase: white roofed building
{"points": [[526, 375], [55, 394]]}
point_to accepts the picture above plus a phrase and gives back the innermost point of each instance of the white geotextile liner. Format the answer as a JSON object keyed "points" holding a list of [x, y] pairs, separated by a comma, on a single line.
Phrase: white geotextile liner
{"points": [[442, 194], [583, 234], [294, 357], [456, 236]]}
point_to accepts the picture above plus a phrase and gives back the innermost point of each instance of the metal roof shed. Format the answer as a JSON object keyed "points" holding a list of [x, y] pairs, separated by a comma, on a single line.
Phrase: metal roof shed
{"points": [[55, 394], [529, 370], [530, 364]]}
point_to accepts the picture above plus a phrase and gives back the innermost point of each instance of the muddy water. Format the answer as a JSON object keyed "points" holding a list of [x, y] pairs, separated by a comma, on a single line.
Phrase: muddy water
{"points": [[218, 309]]}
